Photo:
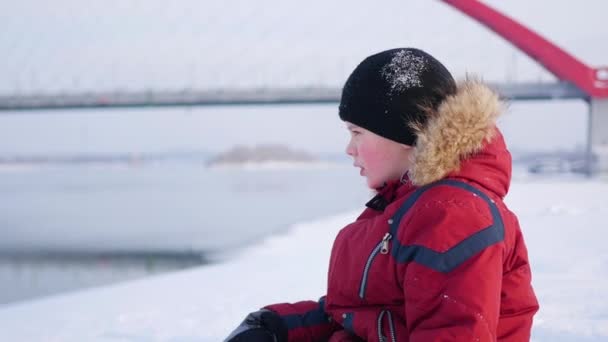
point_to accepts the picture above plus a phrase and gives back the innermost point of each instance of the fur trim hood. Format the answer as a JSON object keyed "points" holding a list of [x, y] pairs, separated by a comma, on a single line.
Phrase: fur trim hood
{"points": [[460, 127]]}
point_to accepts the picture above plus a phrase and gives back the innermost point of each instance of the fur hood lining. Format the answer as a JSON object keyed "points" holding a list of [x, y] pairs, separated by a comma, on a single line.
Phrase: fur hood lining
{"points": [[459, 127]]}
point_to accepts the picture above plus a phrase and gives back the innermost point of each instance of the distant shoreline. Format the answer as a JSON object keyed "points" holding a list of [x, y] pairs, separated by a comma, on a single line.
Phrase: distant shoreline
{"points": [[129, 158], [262, 155]]}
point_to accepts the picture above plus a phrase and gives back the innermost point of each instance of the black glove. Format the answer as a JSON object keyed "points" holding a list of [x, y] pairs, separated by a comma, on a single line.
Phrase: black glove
{"points": [[260, 326]]}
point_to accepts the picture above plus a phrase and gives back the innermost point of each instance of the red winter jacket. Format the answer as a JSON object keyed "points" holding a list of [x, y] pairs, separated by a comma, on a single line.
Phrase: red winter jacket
{"points": [[437, 257]]}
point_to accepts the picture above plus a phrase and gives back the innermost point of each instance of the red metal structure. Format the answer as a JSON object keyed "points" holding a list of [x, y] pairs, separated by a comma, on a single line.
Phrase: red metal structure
{"points": [[592, 81]]}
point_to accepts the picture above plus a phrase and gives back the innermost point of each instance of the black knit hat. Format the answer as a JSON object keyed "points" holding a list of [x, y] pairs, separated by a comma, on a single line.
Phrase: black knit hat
{"points": [[392, 89]]}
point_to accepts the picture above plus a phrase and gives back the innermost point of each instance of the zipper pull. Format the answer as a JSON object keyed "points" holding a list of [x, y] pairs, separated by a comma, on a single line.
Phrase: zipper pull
{"points": [[385, 239]]}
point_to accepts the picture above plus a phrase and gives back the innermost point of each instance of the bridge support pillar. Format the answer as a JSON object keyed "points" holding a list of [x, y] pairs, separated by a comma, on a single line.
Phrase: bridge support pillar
{"points": [[597, 145]]}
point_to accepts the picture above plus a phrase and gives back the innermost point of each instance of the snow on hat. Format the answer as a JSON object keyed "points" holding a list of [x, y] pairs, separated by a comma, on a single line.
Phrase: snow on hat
{"points": [[392, 90]]}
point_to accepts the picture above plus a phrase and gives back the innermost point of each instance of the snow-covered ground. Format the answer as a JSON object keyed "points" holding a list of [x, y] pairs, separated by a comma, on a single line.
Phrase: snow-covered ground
{"points": [[562, 216]]}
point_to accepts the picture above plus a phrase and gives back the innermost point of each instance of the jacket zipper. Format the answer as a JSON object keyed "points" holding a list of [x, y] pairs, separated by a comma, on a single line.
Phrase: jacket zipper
{"points": [[382, 248], [391, 327]]}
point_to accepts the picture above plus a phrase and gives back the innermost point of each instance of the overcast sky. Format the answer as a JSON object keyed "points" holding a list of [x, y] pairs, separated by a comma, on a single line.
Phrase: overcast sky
{"points": [[67, 46]]}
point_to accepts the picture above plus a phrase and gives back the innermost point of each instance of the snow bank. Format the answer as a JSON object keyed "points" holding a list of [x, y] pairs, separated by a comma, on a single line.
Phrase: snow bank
{"points": [[562, 217]]}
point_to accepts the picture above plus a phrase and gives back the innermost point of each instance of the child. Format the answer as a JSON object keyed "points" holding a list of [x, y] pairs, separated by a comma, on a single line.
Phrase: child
{"points": [[436, 255]]}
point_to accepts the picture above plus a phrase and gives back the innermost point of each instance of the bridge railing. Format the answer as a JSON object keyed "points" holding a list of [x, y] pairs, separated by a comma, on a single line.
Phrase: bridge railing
{"points": [[258, 96]]}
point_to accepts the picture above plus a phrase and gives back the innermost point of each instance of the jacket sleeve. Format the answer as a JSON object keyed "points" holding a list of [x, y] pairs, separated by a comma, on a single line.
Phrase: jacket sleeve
{"points": [[306, 320], [518, 301], [452, 284]]}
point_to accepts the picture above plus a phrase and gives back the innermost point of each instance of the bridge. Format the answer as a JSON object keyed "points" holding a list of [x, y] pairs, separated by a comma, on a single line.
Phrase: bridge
{"points": [[592, 82], [261, 96], [576, 81]]}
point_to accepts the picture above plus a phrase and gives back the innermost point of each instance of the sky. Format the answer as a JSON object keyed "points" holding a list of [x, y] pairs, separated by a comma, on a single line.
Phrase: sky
{"points": [[313, 128], [117, 45], [114, 45]]}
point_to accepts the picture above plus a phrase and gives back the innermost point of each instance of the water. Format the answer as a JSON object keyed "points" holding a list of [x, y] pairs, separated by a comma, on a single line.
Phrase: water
{"points": [[68, 227], [31, 275]]}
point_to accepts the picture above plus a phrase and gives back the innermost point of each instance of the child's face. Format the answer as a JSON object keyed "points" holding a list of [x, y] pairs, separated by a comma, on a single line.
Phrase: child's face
{"points": [[380, 159]]}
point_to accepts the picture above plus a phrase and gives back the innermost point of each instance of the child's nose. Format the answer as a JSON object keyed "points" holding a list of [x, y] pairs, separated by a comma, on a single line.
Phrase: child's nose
{"points": [[350, 150]]}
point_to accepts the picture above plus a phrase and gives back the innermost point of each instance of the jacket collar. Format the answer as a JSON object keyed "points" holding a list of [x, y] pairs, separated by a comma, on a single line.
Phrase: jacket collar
{"points": [[389, 192]]}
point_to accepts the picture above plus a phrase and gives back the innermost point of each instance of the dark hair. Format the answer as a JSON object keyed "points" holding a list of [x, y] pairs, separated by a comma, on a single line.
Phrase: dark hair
{"points": [[392, 90]]}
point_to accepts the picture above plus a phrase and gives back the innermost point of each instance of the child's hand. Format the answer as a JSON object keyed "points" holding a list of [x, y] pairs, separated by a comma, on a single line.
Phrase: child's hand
{"points": [[260, 326]]}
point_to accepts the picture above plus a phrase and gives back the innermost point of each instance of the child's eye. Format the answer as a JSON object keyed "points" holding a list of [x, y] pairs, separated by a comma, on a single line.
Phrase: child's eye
{"points": [[355, 132]]}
